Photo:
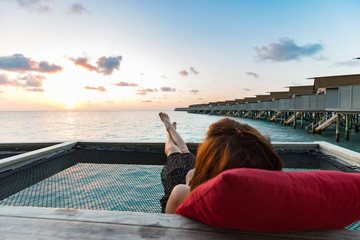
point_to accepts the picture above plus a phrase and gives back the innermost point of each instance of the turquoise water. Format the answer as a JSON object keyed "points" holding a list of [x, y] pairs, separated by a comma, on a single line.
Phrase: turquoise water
{"points": [[140, 126], [114, 187]]}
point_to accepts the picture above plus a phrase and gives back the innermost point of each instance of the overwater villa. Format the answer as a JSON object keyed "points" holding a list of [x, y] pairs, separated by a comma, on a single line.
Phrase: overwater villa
{"points": [[330, 100]]}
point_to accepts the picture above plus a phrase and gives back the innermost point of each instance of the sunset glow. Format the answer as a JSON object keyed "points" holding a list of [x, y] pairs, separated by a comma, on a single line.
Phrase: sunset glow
{"points": [[139, 54], [69, 106]]}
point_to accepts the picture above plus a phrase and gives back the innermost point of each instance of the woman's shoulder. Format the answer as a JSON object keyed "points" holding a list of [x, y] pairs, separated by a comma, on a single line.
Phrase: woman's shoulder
{"points": [[181, 189], [178, 195]]}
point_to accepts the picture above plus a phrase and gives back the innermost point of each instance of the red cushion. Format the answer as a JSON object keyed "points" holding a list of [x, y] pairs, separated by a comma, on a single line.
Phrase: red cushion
{"points": [[271, 201]]}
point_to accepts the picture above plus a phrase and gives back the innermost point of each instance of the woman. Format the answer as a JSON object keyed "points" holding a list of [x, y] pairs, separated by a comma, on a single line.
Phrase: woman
{"points": [[228, 144]]}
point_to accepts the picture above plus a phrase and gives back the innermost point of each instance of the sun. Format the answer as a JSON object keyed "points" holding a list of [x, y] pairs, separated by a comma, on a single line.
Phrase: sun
{"points": [[70, 106]]}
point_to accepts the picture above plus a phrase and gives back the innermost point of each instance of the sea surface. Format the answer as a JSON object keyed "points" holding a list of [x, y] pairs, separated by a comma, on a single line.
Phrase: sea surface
{"points": [[140, 126], [116, 187]]}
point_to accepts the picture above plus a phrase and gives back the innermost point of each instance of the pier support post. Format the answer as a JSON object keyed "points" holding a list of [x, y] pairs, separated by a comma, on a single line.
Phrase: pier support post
{"points": [[275, 118], [281, 115], [294, 125], [338, 127], [302, 120], [347, 127], [313, 128], [356, 122]]}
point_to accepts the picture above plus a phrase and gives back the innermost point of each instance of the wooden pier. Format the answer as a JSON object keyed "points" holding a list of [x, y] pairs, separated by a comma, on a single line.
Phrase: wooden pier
{"points": [[330, 100]]}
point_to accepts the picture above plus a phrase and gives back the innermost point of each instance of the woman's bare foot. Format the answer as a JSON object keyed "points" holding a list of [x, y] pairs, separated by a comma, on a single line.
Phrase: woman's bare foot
{"points": [[173, 139], [166, 120]]}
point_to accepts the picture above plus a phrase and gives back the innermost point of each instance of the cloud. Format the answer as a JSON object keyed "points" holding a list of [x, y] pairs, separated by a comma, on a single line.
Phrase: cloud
{"points": [[35, 90], [252, 74], [184, 73], [1, 92], [19, 63], [147, 101], [105, 65], [145, 91], [32, 80], [194, 91], [126, 84], [247, 89], [4, 79], [99, 88], [30, 83], [23, 82], [320, 58], [296, 84], [83, 62], [167, 89], [285, 50], [164, 76], [351, 63], [193, 70], [77, 8], [35, 5]]}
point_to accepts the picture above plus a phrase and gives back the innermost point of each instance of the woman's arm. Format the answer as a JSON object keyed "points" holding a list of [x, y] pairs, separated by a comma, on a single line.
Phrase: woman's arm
{"points": [[177, 197]]}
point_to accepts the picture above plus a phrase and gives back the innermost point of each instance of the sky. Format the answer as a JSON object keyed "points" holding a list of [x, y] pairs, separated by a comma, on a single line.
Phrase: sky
{"points": [[158, 55]]}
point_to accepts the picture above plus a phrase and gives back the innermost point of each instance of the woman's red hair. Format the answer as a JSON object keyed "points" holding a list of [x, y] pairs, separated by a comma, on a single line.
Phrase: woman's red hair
{"points": [[230, 144]]}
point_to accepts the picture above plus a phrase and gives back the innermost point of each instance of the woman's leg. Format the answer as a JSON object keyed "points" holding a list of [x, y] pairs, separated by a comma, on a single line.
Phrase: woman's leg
{"points": [[170, 146], [174, 135]]}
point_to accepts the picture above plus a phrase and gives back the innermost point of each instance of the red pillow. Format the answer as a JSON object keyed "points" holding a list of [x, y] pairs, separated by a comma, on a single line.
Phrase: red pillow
{"points": [[274, 201]]}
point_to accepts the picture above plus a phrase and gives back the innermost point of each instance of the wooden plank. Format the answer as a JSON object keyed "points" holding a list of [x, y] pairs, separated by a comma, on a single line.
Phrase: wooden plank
{"points": [[22, 228], [154, 145], [25, 158], [114, 144], [26, 145], [46, 223], [347, 155], [295, 145], [343, 111], [133, 145]]}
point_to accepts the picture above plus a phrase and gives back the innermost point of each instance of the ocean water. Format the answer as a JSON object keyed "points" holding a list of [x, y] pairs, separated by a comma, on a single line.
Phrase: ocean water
{"points": [[113, 187], [140, 126]]}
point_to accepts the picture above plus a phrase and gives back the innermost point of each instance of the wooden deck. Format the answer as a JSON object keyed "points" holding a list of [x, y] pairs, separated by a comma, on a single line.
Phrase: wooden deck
{"points": [[51, 223]]}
